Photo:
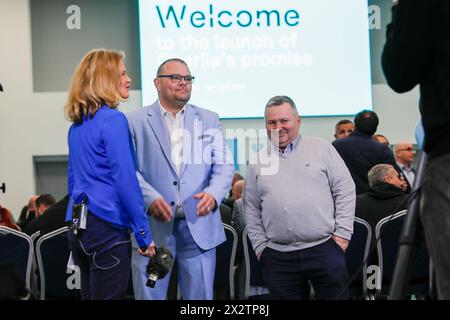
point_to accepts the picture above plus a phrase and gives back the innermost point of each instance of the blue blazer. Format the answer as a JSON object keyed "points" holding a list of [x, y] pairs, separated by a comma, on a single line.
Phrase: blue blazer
{"points": [[207, 166], [101, 165]]}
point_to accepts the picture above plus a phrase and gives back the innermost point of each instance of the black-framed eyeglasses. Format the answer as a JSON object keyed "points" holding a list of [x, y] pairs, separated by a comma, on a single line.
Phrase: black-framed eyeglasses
{"points": [[176, 78]]}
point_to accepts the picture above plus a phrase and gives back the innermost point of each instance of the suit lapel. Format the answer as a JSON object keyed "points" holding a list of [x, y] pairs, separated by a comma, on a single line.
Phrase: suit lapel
{"points": [[156, 123]]}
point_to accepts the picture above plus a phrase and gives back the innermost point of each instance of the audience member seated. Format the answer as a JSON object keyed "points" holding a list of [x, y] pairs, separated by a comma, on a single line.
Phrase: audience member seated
{"points": [[381, 139], [236, 219], [384, 198], [43, 202], [229, 200], [360, 152], [54, 217], [343, 129], [29, 214], [404, 156], [6, 219]]}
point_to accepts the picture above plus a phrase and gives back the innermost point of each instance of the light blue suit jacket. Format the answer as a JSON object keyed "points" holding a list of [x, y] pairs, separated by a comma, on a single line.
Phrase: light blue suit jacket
{"points": [[207, 166]]}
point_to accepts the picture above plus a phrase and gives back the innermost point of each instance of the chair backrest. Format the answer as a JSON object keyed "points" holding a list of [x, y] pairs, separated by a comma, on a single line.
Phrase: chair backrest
{"points": [[52, 252], [253, 269], [356, 254], [225, 214], [389, 230], [17, 248], [225, 256]]}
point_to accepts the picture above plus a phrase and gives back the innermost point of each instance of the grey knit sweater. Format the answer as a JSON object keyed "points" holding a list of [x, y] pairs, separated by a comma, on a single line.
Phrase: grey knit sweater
{"points": [[309, 198]]}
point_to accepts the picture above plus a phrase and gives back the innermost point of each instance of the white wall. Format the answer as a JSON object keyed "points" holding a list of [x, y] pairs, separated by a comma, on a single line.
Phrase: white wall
{"points": [[33, 123]]}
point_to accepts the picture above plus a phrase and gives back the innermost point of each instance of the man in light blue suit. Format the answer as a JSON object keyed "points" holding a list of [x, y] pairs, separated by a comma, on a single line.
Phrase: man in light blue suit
{"points": [[184, 169]]}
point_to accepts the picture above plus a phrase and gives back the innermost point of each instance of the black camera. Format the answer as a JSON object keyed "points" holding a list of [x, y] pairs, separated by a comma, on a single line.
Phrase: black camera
{"points": [[158, 265]]}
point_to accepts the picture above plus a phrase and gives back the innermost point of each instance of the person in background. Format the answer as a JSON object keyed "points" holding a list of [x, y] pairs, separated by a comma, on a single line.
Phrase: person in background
{"points": [[229, 200], [102, 174], [29, 214], [343, 129], [43, 202], [360, 152], [6, 219], [381, 139], [385, 195], [404, 156]]}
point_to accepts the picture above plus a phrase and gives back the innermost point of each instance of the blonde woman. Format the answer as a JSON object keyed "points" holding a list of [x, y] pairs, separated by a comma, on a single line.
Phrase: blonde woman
{"points": [[102, 175]]}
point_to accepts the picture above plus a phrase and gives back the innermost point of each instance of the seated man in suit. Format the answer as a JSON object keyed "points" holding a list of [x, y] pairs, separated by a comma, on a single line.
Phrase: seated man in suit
{"points": [[28, 213], [53, 218], [43, 202], [385, 195]]}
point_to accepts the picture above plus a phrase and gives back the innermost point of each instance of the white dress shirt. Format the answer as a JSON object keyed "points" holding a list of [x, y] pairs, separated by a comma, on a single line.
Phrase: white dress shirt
{"points": [[174, 126]]}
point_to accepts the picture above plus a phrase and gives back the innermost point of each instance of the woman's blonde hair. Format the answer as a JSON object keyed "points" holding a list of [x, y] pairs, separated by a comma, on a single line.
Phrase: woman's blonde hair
{"points": [[95, 82]]}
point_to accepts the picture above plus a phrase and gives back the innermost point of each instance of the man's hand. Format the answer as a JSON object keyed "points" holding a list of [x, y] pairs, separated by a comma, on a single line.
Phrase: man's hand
{"points": [[259, 255], [160, 210], [149, 252], [206, 204], [343, 243]]}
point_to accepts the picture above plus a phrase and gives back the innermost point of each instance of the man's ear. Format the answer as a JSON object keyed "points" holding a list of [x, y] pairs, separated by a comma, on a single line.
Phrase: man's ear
{"points": [[156, 81]]}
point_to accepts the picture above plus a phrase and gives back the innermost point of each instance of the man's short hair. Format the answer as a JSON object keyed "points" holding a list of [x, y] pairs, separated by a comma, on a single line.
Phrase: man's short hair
{"points": [[366, 121], [377, 174], [161, 67], [342, 122], [279, 100], [376, 136], [45, 199]]}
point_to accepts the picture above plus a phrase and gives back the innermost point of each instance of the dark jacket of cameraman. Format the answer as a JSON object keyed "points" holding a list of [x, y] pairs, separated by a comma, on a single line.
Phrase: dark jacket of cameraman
{"points": [[418, 51]]}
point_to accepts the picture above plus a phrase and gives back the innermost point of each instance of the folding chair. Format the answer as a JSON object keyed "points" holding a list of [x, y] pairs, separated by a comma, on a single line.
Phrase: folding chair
{"points": [[17, 249], [356, 253], [52, 252], [388, 230], [224, 274]]}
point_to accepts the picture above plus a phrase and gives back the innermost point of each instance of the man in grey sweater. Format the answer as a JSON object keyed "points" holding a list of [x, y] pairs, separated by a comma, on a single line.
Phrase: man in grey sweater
{"points": [[300, 216]]}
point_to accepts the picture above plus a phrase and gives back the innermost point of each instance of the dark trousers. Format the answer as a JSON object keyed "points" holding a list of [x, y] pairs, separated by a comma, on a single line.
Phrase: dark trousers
{"points": [[286, 274], [435, 217], [103, 254]]}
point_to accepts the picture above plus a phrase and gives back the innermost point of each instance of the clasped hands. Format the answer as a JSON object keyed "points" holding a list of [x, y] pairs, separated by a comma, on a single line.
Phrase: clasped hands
{"points": [[161, 210]]}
